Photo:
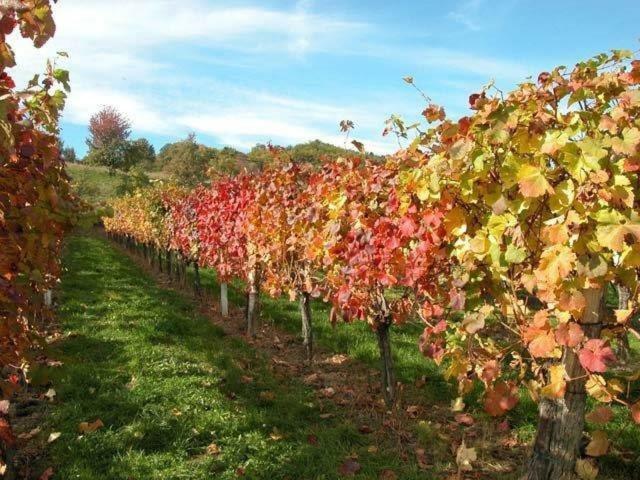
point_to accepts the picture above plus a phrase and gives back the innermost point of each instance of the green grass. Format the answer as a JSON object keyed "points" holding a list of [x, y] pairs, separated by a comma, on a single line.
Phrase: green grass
{"points": [[167, 383], [94, 184]]}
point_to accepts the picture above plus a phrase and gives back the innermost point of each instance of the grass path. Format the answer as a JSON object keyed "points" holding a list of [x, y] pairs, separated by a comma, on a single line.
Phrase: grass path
{"points": [[174, 392]]}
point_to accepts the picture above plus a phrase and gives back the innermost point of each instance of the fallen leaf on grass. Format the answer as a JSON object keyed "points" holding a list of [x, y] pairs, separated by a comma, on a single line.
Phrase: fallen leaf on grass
{"points": [[421, 382], [131, 384], [311, 379], [328, 392], [457, 405], [365, 429], [349, 468], [372, 449], [504, 426], [53, 437], [29, 435], [246, 379], [600, 415], [586, 469], [465, 457], [464, 419], [4, 407], [213, 450], [337, 359], [599, 444], [267, 395], [86, 427], [421, 458], [412, 411], [509, 442], [312, 439], [47, 474], [388, 474], [50, 395]]}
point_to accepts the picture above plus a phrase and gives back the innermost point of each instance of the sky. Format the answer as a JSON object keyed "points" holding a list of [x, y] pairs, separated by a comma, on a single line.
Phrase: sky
{"points": [[243, 72]]}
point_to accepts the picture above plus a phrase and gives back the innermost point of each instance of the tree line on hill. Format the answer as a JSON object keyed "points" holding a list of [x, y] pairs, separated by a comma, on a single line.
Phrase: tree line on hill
{"points": [[186, 162]]}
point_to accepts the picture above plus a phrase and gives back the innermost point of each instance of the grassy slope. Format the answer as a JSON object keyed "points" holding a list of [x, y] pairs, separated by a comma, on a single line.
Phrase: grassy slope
{"points": [[94, 184], [123, 331]]}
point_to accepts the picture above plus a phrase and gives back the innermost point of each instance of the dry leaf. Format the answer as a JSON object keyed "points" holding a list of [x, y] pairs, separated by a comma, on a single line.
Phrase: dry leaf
{"points": [[4, 407], [213, 450], [47, 474], [388, 474], [465, 457], [53, 437], [132, 383], [412, 411], [337, 359], [328, 392], [457, 405], [586, 469], [421, 457], [267, 395], [50, 395], [312, 379], [349, 468], [600, 415], [464, 419], [29, 435], [599, 444], [86, 427]]}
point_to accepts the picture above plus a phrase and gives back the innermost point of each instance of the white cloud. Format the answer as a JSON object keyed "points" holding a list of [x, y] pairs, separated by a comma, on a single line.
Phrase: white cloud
{"points": [[158, 62]]}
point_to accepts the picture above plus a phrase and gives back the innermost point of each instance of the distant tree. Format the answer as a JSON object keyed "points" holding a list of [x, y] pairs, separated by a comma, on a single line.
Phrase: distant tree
{"points": [[136, 179], [186, 162], [114, 156], [108, 141], [69, 154], [106, 127], [227, 161], [316, 151], [142, 154], [260, 156]]}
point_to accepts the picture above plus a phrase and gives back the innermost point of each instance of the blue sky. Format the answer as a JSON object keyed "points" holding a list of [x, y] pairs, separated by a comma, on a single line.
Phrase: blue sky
{"points": [[241, 72]]}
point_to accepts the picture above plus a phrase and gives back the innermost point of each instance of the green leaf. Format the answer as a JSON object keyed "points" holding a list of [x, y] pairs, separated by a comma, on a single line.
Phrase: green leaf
{"points": [[515, 254]]}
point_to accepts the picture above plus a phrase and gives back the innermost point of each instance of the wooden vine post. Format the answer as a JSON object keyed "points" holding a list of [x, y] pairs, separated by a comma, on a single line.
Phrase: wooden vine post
{"points": [[253, 301], [307, 326], [561, 420], [224, 300]]}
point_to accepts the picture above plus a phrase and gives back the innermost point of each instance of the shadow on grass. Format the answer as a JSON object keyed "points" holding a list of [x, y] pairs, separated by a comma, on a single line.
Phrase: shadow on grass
{"points": [[167, 384]]}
